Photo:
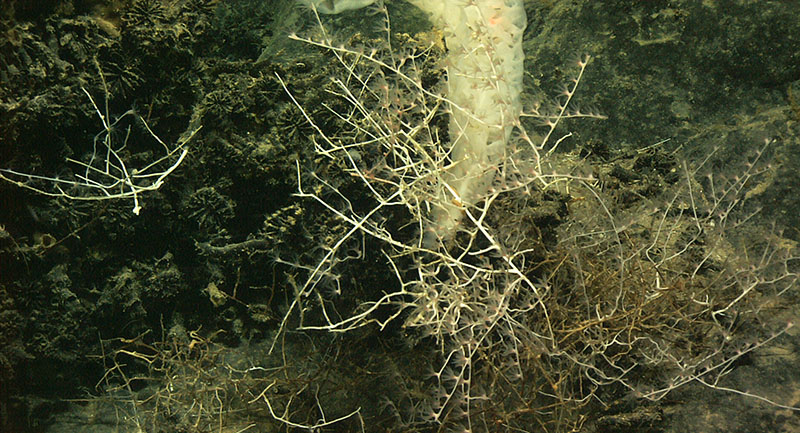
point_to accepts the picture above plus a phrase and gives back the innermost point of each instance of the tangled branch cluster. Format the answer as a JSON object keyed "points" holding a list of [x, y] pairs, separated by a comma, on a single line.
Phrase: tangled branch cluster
{"points": [[643, 298]]}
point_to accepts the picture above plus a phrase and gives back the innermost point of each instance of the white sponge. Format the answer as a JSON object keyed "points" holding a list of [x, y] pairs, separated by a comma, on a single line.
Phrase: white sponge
{"points": [[484, 70], [484, 82]]}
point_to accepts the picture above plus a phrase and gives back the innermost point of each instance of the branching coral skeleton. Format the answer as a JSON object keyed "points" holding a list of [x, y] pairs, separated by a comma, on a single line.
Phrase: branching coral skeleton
{"points": [[107, 174], [470, 288]]}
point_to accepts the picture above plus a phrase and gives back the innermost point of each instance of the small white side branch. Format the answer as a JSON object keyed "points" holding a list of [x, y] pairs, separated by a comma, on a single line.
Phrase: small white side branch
{"points": [[107, 172]]}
